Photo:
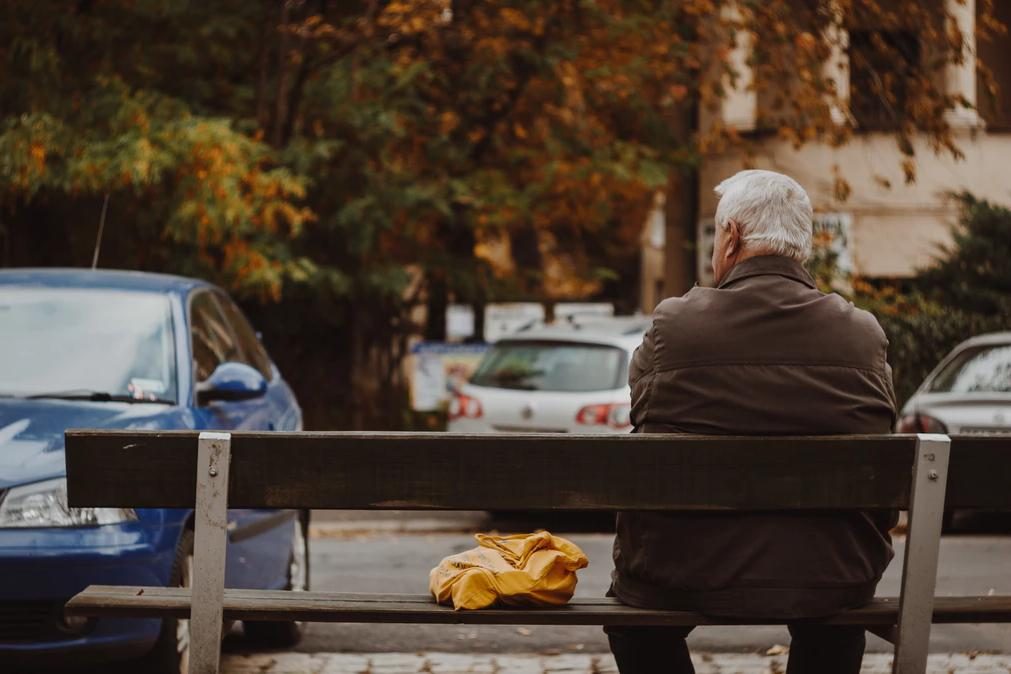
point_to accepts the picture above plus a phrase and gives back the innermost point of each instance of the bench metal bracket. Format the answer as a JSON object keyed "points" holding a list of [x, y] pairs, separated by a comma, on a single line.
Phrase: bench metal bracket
{"points": [[214, 455], [923, 542], [885, 632]]}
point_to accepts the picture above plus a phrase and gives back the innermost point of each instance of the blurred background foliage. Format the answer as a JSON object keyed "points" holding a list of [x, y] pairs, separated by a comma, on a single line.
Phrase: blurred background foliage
{"points": [[339, 164], [965, 292]]}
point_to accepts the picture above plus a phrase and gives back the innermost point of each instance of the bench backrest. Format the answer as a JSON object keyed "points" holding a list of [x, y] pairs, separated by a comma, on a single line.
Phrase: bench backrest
{"points": [[538, 472], [342, 470]]}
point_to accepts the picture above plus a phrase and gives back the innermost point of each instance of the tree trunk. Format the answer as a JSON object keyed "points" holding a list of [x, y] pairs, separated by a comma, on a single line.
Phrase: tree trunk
{"points": [[681, 212], [480, 303], [679, 273], [524, 247], [436, 304], [283, 67], [262, 66], [447, 277]]}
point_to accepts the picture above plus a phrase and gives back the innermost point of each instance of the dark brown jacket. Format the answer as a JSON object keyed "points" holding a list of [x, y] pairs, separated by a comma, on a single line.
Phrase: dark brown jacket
{"points": [[766, 353]]}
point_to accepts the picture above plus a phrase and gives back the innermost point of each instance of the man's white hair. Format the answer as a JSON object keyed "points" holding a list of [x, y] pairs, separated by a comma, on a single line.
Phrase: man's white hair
{"points": [[772, 209]]}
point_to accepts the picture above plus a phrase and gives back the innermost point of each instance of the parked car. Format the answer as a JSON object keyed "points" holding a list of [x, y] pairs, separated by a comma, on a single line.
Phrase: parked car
{"points": [[968, 393], [567, 378], [108, 349]]}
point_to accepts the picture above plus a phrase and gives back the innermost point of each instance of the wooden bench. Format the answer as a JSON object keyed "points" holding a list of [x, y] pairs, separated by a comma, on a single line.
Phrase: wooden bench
{"points": [[529, 472]]}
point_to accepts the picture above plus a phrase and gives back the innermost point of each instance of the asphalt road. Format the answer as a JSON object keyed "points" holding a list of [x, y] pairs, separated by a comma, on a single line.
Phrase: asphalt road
{"points": [[399, 562]]}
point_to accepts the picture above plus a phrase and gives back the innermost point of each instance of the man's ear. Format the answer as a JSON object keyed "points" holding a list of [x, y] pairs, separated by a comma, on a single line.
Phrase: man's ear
{"points": [[733, 246]]}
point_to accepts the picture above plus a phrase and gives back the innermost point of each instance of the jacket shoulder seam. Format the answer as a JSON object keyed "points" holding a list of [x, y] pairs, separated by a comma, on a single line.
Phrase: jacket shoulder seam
{"points": [[653, 372], [771, 363]]}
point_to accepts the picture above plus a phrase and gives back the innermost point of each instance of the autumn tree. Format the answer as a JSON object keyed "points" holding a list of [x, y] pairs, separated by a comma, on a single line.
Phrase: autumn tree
{"points": [[88, 110], [361, 160]]}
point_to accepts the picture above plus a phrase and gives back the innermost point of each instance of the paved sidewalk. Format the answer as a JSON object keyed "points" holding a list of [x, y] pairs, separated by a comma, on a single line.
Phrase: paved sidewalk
{"points": [[359, 523], [452, 663]]}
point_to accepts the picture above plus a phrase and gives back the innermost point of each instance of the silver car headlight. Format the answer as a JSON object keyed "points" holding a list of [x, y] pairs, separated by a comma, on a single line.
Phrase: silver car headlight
{"points": [[44, 504]]}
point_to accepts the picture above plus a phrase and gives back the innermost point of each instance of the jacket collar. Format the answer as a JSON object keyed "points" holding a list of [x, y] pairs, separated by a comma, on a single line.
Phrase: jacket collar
{"points": [[769, 265]]}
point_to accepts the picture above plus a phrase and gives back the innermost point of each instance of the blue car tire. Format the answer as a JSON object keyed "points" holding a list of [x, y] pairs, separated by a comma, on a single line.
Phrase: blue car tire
{"points": [[287, 634], [171, 653]]}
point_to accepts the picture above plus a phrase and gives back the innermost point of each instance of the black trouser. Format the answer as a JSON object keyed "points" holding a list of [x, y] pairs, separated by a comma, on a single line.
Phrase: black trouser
{"points": [[815, 649]]}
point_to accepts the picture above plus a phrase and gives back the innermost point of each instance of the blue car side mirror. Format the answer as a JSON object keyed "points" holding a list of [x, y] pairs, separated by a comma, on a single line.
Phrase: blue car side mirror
{"points": [[231, 381]]}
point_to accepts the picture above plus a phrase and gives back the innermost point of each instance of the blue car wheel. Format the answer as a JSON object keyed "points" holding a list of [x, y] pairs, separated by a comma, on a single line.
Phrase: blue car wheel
{"points": [[171, 653], [287, 634]]}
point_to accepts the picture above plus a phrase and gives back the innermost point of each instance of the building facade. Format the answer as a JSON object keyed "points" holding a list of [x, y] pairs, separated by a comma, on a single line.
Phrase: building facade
{"points": [[885, 228]]}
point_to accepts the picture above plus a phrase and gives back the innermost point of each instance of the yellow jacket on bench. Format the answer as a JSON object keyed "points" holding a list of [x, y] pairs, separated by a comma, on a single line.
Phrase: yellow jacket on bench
{"points": [[522, 570]]}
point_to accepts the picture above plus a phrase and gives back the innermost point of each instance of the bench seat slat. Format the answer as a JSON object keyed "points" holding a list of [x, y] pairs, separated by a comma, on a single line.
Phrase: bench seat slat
{"points": [[122, 601]]}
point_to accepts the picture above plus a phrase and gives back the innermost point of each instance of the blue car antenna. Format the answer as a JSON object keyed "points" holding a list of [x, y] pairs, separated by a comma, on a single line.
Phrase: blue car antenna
{"points": [[101, 228]]}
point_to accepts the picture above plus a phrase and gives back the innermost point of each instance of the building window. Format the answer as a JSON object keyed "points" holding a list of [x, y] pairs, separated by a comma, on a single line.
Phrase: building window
{"points": [[881, 65], [995, 52]]}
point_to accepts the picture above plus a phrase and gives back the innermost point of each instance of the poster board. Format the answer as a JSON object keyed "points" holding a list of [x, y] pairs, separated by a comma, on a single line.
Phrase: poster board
{"points": [[437, 369], [505, 318]]}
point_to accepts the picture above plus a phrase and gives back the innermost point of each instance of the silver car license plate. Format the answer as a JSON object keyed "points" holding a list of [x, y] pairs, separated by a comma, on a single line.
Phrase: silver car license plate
{"points": [[985, 430]]}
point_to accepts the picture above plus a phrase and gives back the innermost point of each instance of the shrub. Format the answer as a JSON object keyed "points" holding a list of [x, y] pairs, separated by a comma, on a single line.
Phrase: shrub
{"points": [[921, 332], [966, 292], [974, 272]]}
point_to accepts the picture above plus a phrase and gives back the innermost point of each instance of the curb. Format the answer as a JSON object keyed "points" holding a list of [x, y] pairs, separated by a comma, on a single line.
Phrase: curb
{"points": [[519, 663], [363, 528]]}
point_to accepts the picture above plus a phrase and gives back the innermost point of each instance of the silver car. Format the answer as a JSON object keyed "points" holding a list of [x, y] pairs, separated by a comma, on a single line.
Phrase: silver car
{"points": [[968, 393], [567, 378]]}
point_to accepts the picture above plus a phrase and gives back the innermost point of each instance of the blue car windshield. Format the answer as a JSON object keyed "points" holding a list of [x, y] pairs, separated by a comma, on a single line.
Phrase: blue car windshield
{"points": [[97, 344]]}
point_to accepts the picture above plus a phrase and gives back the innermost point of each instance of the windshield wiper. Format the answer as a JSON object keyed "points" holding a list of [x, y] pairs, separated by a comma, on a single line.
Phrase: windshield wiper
{"points": [[96, 396]]}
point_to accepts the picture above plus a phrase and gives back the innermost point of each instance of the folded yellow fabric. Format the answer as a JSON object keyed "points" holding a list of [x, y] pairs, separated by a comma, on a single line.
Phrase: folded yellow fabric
{"points": [[521, 570]]}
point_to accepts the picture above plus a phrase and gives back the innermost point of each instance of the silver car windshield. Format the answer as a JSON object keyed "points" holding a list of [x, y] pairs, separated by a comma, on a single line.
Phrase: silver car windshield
{"points": [[552, 366], [980, 369], [96, 344]]}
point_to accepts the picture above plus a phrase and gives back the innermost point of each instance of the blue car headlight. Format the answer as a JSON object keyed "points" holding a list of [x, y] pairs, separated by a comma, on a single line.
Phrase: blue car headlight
{"points": [[44, 504]]}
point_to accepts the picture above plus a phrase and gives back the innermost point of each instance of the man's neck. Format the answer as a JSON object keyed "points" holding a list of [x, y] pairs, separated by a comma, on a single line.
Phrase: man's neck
{"points": [[745, 254]]}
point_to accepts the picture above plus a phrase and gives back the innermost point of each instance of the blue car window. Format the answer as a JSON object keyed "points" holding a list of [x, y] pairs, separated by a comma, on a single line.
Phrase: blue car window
{"points": [[252, 350], [212, 338], [86, 341]]}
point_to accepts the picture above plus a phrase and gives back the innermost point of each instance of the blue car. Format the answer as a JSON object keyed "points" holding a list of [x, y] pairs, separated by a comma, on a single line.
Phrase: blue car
{"points": [[110, 349]]}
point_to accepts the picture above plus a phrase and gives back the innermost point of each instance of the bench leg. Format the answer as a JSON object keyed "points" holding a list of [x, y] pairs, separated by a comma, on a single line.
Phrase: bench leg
{"points": [[923, 542], [209, 538]]}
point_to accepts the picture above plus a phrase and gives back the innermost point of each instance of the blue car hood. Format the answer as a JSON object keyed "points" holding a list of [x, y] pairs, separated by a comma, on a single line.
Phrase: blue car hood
{"points": [[31, 431]]}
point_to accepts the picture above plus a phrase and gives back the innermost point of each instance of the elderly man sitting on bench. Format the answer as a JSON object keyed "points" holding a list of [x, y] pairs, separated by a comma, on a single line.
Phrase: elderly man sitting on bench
{"points": [[762, 353]]}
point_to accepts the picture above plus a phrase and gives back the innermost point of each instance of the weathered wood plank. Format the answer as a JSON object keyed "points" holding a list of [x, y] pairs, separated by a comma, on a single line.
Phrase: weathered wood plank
{"points": [[979, 473], [364, 608], [498, 472]]}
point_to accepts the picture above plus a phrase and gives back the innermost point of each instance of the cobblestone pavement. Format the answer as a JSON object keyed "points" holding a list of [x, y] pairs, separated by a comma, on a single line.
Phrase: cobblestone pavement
{"points": [[452, 663]]}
